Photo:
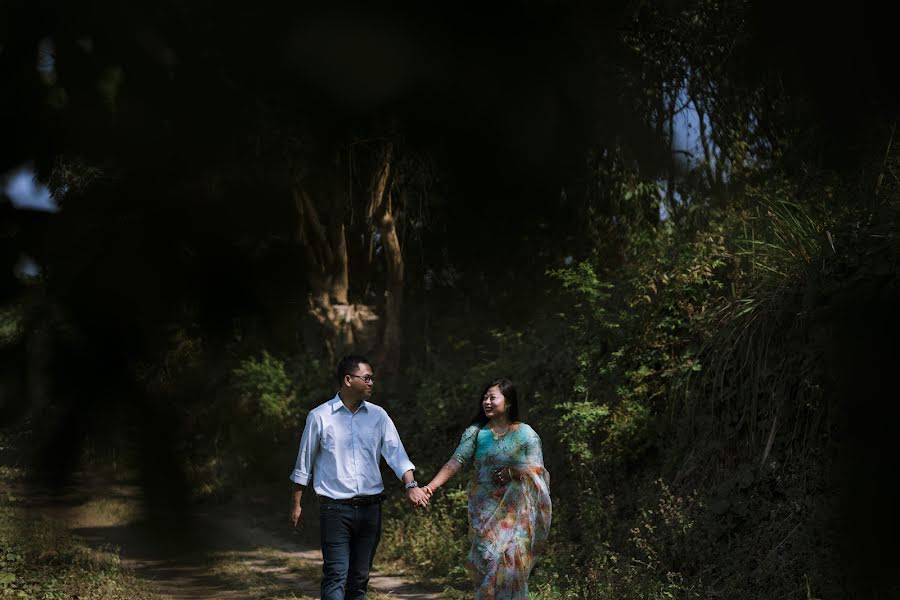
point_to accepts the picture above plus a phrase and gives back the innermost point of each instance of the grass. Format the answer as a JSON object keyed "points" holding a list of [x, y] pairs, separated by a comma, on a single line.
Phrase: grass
{"points": [[105, 512], [40, 559], [272, 574], [265, 573]]}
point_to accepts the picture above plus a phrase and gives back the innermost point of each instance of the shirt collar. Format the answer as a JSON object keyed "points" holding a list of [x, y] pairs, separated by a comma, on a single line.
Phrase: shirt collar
{"points": [[337, 404]]}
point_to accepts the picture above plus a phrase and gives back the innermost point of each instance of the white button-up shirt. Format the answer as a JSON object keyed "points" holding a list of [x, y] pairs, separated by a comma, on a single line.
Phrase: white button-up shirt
{"points": [[340, 450]]}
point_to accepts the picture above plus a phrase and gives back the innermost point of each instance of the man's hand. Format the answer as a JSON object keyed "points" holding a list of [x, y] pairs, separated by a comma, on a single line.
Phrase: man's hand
{"points": [[296, 516], [417, 496]]}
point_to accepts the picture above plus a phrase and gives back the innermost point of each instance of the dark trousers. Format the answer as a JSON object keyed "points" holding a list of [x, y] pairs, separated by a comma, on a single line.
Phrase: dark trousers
{"points": [[350, 535]]}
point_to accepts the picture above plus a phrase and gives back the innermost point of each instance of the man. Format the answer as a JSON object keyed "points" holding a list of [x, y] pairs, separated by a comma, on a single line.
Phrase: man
{"points": [[340, 450]]}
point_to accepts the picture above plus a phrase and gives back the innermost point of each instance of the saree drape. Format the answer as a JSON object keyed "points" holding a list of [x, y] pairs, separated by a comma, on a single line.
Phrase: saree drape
{"points": [[508, 524]]}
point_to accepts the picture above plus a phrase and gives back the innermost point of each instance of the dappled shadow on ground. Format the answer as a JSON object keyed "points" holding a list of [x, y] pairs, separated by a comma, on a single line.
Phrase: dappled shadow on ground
{"points": [[240, 549], [219, 552]]}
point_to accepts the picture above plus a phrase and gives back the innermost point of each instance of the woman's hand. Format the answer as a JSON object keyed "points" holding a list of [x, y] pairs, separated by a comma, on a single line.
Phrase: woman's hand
{"points": [[502, 476], [417, 497]]}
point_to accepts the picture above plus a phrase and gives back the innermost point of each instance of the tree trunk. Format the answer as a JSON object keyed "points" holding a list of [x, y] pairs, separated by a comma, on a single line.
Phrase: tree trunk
{"points": [[322, 201], [395, 271], [381, 214], [321, 232]]}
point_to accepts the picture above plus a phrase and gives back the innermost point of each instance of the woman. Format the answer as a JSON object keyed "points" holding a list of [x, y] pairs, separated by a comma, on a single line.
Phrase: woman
{"points": [[509, 495]]}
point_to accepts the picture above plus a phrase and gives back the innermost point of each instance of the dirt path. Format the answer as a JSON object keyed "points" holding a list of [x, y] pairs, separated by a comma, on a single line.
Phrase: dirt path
{"points": [[240, 550]]}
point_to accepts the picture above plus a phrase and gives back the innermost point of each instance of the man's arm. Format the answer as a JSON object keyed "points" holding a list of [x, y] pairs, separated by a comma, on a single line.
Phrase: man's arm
{"points": [[296, 511], [395, 455], [416, 495], [309, 445]]}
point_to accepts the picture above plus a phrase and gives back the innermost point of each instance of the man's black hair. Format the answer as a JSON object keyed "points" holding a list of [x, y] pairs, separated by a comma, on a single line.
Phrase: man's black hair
{"points": [[349, 365]]}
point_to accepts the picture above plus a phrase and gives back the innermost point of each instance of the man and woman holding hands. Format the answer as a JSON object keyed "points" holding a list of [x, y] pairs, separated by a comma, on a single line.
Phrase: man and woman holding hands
{"points": [[509, 501]]}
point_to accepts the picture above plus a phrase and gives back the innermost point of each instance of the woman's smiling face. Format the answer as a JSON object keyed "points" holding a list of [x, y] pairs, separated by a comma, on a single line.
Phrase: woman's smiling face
{"points": [[493, 403]]}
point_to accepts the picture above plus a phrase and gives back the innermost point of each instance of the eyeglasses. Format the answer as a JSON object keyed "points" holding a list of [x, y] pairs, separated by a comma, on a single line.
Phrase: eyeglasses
{"points": [[365, 378]]}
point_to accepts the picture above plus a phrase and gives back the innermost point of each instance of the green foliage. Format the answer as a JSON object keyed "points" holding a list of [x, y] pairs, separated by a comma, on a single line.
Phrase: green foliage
{"points": [[582, 281], [259, 413], [781, 235], [679, 366], [434, 541], [10, 325], [591, 426], [182, 361], [582, 422], [593, 433], [264, 389], [649, 563]]}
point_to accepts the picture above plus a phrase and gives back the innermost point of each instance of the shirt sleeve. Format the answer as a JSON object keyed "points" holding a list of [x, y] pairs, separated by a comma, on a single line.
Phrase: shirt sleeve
{"points": [[465, 451], [392, 449], [309, 446]]}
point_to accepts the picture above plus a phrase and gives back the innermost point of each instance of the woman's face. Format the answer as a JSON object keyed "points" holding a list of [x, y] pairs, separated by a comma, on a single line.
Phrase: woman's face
{"points": [[494, 403]]}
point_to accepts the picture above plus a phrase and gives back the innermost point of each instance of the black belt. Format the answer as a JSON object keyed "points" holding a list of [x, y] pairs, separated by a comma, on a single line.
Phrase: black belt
{"points": [[354, 501]]}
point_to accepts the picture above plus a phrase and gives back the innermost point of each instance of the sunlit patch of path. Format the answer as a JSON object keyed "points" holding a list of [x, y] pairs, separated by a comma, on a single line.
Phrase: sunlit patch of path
{"points": [[246, 553]]}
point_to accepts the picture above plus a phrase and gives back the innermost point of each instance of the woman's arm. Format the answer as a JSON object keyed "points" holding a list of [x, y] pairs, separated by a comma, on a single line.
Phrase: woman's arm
{"points": [[450, 468]]}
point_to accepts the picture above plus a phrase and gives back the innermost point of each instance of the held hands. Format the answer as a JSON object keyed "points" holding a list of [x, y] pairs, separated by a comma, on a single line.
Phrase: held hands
{"points": [[418, 497]]}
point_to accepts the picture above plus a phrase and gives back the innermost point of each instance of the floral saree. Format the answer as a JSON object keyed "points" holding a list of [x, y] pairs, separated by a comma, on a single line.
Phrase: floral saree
{"points": [[508, 524]]}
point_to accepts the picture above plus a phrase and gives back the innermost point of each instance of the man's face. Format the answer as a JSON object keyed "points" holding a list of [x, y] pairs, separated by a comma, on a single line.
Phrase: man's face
{"points": [[361, 381]]}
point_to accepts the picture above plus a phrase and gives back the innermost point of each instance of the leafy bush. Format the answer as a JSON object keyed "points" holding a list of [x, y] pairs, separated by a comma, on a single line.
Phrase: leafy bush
{"points": [[433, 541], [264, 390]]}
